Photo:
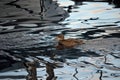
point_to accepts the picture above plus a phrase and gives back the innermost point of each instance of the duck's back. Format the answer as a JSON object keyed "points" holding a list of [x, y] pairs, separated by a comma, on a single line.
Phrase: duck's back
{"points": [[70, 42]]}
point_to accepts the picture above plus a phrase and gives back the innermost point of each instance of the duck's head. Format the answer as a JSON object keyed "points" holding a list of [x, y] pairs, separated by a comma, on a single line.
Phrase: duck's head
{"points": [[60, 37]]}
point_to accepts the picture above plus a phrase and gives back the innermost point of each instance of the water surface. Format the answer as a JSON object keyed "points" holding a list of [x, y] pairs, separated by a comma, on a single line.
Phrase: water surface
{"points": [[27, 39]]}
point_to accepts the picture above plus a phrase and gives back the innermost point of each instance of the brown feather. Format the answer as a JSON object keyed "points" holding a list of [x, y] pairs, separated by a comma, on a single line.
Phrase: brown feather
{"points": [[67, 43]]}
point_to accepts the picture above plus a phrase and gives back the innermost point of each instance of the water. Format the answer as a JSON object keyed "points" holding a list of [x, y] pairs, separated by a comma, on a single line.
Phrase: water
{"points": [[27, 40]]}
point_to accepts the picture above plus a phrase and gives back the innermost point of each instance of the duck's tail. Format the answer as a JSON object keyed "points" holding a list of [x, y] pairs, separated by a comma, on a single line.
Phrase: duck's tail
{"points": [[81, 42]]}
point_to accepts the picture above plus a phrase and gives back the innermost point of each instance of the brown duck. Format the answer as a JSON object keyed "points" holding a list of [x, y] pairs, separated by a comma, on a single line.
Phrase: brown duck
{"points": [[67, 43]]}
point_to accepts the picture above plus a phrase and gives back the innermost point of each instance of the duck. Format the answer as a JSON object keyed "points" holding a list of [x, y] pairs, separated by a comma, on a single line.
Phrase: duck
{"points": [[67, 43]]}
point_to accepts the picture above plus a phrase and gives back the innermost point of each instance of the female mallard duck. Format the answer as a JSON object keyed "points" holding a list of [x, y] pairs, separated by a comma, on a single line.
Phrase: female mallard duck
{"points": [[67, 43]]}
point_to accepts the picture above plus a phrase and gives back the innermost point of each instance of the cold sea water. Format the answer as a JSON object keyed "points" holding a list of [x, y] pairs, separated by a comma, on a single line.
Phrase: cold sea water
{"points": [[28, 30]]}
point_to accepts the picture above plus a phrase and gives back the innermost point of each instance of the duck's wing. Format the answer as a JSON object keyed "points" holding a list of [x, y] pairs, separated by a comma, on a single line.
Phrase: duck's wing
{"points": [[68, 43]]}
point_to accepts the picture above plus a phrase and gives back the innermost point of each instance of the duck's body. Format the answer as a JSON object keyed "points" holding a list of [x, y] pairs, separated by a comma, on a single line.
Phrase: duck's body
{"points": [[67, 43]]}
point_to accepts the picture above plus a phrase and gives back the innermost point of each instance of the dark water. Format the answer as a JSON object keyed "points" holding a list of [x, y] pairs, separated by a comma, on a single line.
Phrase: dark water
{"points": [[28, 29]]}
